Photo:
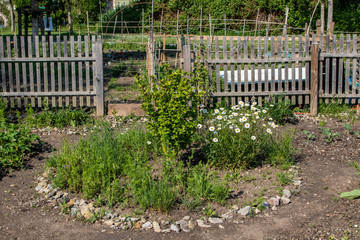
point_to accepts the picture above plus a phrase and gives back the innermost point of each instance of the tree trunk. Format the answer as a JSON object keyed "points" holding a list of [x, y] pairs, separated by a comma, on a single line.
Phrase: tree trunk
{"points": [[70, 17], [35, 21]]}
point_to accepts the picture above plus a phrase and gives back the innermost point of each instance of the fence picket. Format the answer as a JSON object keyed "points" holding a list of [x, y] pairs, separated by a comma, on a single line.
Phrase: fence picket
{"points": [[300, 85], [354, 69], [10, 71], [81, 86], [232, 69], [307, 69], [2, 55], [52, 70], [31, 70], [38, 70], [327, 68], [334, 67], [73, 70], [341, 66], [347, 68], [59, 66], [66, 71], [45, 67]]}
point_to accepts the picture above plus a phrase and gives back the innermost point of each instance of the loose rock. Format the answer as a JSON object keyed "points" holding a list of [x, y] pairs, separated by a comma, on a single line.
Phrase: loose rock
{"points": [[147, 225], [215, 220], [156, 227], [184, 226], [286, 193], [174, 228], [202, 224], [274, 201], [244, 211]]}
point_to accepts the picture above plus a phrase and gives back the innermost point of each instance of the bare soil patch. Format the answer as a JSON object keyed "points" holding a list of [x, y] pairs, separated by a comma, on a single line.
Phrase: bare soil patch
{"points": [[316, 212]]}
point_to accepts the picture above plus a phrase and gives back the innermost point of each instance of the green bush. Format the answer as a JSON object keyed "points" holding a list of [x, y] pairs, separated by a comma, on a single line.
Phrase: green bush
{"points": [[57, 117], [172, 118], [95, 165], [280, 109], [237, 137]]}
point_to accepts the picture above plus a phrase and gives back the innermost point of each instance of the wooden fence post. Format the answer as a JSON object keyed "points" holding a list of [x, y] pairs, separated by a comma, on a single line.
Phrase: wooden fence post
{"points": [[314, 79], [99, 83], [186, 52]]}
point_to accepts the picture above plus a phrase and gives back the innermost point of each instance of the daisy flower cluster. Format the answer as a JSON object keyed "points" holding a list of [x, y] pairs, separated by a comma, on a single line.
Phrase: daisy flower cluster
{"points": [[244, 118]]}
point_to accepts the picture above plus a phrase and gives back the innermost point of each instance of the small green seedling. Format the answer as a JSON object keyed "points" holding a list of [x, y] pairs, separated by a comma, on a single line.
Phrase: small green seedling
{"points": [[329, 134], [309, 136], [348, 127]]}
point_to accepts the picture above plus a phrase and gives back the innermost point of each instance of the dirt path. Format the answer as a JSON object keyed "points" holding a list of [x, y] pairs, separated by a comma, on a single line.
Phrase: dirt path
{"points": [[315, 213]]}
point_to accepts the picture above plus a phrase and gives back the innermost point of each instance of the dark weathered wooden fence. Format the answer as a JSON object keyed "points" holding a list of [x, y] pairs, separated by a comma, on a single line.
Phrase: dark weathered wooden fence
{"points": [[241, 68], [60, 71]]}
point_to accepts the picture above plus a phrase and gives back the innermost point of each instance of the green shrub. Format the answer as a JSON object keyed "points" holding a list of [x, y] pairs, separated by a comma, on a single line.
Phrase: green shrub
{"points": [[280, 109], [15, 142], [203, 185], [171, 116], [95, 165], [237, 137], [57, 117]]}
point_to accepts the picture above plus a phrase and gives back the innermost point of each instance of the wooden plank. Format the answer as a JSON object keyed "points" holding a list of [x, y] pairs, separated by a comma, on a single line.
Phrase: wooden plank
{"points": [[263, 93], [45, 67], [347, 67], [239, 67], [87, 71], [260, 61], [252, 49], [93, 41], [272, 64], [341, 66], [11, 80], [81, 84], [286, 51], [334, 67], [17, 71], [38, 71], [52, 70], [300, 86], [266, 56], [66, 71], [46, 59], [232, 69], [24, 72], [99, 83], [31, 70], [279, 55], [2, 55], [48, 94], [259, 66], [321, 64], [246, 56], [293, 63], [59, 66], [339, 55], [354, 65], [314, 80], [73, 70], [307, 68], [226, 78], [327, 69], [217, 66]]}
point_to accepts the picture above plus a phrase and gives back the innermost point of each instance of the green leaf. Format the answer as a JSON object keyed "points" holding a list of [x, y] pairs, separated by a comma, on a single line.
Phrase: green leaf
{"points": [[351, 195]]}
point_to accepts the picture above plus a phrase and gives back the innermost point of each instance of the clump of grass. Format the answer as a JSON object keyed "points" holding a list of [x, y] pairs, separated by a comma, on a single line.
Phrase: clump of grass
{"points": [[284, 178], [16, 141], [56, 117]]}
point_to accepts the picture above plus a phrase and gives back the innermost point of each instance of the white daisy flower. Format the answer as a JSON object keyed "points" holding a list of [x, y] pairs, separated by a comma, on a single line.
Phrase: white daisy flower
{"points": [[215, 140], [202, 105], [231, 127], [211, 129], [270, 119], [241, 103], [148, 142], [237, 130], [247, 125], [219, 117], [221, 109], [215, 133], [264, 111], [199, 126], [253, 138], [257, 117], [268, 130], [236, 114], [216, 111]]}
